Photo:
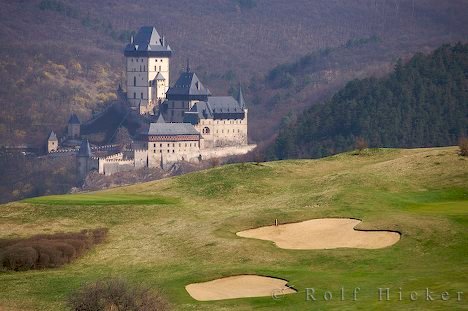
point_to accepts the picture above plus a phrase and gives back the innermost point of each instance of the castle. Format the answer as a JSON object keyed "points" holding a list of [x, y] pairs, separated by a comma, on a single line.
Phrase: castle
{"points": [[189, 123]]}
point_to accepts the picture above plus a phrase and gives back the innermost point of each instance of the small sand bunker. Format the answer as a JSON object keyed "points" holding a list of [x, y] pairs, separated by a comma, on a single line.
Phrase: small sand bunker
{"points": [[240, 286], [324, 233]]}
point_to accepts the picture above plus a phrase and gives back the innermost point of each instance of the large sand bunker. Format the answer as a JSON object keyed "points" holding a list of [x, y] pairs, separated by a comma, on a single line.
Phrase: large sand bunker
{"points": [[240, 286], [324, 233]]}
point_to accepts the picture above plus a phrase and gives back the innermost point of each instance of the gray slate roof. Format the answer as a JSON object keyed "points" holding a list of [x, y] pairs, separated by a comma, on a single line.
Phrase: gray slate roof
{"points": [[147, 41], [215, 106], [240, 98], [74, 119], [224, 104], [159, 76], [85, 149], [172, 129], [188, 84], [52, 136]]}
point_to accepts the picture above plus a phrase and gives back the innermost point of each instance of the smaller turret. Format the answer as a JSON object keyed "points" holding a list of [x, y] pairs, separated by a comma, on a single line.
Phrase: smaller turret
{"points": [[240, 98], [74, 126], [84, 159], [52, 142]]}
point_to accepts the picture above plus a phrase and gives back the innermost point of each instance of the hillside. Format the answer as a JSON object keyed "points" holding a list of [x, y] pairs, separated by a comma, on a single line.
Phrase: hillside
{"points": [[169, 233], [422, 103], [59, 56]]}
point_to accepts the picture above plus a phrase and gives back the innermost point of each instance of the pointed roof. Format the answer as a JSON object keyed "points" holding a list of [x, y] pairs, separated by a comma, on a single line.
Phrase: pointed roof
{"points": [[148, 42], [240, 97], [159, 76], [160, 119], [52, 136], [85, 149], [74, 119], [188, 84]]}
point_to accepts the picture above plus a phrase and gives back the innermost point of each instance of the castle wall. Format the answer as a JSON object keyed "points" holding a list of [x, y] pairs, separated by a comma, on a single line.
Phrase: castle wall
{"points": [[223, 133], [141, 158], [174, 151], [109, 167], [222, 152]]}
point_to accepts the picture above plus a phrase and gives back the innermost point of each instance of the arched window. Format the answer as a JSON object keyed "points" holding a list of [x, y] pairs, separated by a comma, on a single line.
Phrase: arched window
{"points": [[206, 130], [134, 81]]}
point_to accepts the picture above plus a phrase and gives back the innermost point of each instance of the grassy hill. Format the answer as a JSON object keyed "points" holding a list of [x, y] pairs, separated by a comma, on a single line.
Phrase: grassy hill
{"points": [[173, 232]]}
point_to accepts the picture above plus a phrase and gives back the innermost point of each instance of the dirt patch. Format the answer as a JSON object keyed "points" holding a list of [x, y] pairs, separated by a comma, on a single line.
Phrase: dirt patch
{"points": [[324, 233], [240, 286]]}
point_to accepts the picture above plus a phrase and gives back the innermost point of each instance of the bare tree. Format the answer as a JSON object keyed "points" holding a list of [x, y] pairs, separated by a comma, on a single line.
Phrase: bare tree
{"points": [[360, 144]]}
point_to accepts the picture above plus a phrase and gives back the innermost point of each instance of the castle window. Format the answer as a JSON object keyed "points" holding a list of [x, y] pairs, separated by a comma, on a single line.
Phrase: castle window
{"points": [[159, 68], [206, 130], [173, 151], [134, 95], [134, 81], [160, 145], [142, 95], [168, 151], [144, 68], [154, 68], [154, 145], [160, 151], [180, 145]]}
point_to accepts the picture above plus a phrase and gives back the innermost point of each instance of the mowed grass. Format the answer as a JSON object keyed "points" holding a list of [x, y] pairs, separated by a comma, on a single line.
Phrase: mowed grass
{"points": [[169, 233]]}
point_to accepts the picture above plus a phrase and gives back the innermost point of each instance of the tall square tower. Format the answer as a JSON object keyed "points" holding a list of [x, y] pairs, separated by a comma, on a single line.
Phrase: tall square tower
{"points": [[147, 68]]}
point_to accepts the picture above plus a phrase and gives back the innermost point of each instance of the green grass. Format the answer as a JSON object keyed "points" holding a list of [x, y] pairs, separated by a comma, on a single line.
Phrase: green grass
{"points": [[169, 233]]}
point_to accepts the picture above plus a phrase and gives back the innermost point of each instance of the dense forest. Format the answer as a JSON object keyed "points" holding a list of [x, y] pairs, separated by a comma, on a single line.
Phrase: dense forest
{"points": [[421, 103]]}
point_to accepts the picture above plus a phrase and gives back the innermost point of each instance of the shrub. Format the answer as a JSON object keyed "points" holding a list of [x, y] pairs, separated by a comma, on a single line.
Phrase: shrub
{"points": [[116, 294], [47, 251], [19, 258]]}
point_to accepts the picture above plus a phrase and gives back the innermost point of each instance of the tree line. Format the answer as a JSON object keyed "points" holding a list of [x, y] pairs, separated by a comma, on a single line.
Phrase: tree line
{"points": [[422, 103]]}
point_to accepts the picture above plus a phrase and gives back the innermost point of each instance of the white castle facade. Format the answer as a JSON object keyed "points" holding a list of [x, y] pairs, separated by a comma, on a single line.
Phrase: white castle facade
{"points": [[192, 124]]}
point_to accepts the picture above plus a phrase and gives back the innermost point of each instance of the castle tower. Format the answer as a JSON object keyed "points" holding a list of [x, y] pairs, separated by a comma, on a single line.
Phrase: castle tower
{"points": [[74, 126], [83, 159], [183, 95], [52, 142], [147, 67]]}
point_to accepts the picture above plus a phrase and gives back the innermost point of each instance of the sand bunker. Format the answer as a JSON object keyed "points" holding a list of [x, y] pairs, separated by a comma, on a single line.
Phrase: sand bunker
{"points": [[324, 233], [240, 286]]}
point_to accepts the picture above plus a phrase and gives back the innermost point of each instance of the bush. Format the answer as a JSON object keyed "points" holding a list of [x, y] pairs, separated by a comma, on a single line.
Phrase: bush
{"points": [[19, 258], [47, 251], [116, 294], [463, 145]]}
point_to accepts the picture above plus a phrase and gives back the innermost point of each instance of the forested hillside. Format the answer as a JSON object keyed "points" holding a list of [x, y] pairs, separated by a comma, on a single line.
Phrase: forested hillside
{"points": [[422, 103], [59, 56]]}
